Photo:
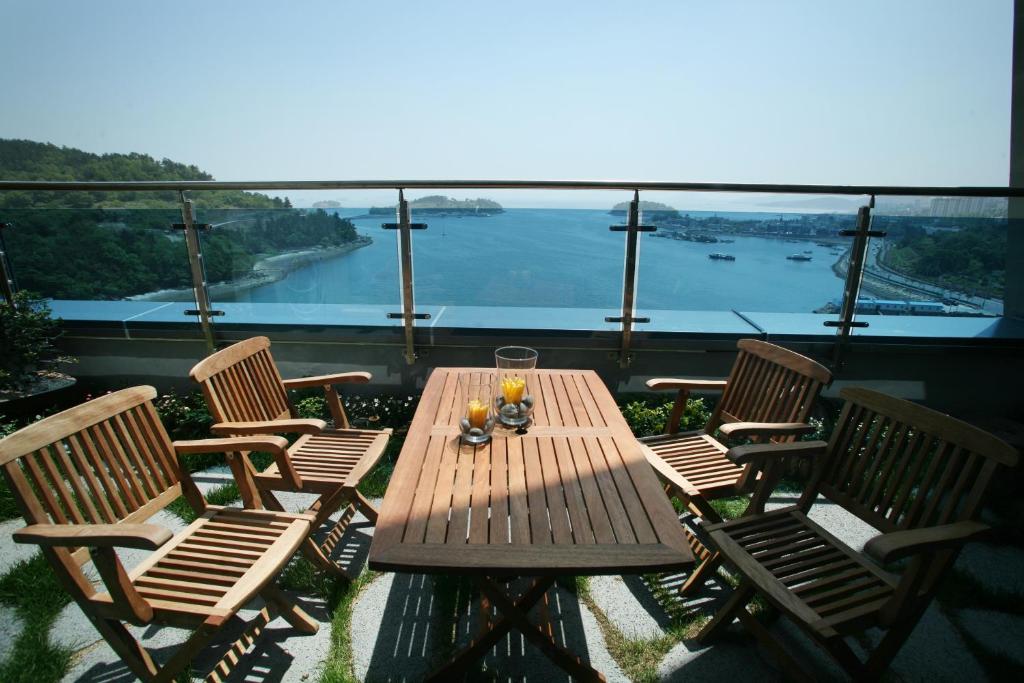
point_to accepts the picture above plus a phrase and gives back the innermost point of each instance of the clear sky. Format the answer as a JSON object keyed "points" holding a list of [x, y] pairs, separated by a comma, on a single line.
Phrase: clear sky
{"points": [[823, 91]]}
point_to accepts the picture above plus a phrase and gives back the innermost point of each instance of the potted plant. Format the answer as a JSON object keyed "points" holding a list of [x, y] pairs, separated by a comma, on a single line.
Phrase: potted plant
{"points": [[29, 360]]}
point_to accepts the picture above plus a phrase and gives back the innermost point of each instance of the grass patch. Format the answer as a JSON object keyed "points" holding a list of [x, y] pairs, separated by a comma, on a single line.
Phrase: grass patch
{"points": [[338, 667], [637, 658], [31, 587], [375, 483], [221, 495]]}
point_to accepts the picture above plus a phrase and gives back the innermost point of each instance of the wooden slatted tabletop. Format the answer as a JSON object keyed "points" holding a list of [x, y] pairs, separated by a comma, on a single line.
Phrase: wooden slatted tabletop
{"points": [[574, 495]]}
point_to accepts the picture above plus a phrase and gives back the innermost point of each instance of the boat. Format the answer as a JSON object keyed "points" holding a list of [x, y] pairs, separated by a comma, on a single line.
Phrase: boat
{"points": [[798, 257], [808, 251], [721, 257]]}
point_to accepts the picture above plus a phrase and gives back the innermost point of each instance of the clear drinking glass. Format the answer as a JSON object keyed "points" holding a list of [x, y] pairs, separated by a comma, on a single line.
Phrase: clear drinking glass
{"points": [[477, 420], [514, 402]]}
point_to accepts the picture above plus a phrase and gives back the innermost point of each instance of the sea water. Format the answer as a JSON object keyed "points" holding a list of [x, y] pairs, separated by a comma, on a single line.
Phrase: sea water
{"points": [[562, 258]]}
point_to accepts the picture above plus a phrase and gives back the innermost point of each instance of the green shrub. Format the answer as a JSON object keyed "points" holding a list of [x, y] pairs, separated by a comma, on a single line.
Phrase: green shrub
{"points": [[27, 332], [185, 417], [648, 416], [373, 412]]}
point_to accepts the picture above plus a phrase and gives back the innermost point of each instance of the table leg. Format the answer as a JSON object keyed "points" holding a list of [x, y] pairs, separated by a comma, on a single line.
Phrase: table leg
{"points": [[513, 614]]}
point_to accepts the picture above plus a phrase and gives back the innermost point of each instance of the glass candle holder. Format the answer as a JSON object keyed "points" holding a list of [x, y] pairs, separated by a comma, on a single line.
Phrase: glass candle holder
{"points": [[514, 401], [477, 421]]}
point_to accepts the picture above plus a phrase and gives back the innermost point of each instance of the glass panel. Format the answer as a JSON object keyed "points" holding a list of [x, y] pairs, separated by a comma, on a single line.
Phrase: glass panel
{"points": [[744, 263], [519, 259], [940, 271], [318, 264], [98, 254]]}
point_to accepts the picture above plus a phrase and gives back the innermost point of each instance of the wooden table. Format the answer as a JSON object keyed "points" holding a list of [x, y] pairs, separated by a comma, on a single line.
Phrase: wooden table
{"points": [[572, 496]]}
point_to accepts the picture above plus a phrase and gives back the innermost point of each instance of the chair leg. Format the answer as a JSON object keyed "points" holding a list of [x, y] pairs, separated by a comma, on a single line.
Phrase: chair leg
{"points": [[892, 641], [366, 507], [700, 575], [324, 508], [293, 614], [736, 602], [127, 647]]}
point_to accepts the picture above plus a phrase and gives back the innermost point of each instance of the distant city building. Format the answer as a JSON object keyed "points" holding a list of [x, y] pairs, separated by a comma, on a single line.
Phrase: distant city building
{"points": [[967, 207]]}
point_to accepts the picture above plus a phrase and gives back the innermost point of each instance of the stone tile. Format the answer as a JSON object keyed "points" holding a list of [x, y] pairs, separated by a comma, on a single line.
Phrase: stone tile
{"points": [[394, 635], [997, 632], [630, 606], [12, 553], [280, 654], [728, 659], [1000, 568]]}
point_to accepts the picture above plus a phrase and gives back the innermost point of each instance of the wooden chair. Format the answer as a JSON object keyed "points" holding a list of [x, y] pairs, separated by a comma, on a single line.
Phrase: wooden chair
{"points": [[769, 395], [915, 475], [246, 395], [88, 478]]}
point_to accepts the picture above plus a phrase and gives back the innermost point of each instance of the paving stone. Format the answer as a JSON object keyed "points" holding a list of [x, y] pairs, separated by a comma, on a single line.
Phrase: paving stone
{"points": [[212, 478], [728, 658], [280, 654], [11, 627], [1000, 568], [12, 553], [630, 606], [395, 638], [997, 632]]}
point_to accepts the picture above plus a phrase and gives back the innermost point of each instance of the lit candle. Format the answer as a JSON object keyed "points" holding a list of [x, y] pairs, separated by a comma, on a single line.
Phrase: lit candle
{"points": [[512, 389], [476, 413]]}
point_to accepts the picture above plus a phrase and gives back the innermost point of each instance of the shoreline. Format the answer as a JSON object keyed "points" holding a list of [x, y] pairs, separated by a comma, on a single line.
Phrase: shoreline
{"points": [[264, 272]]}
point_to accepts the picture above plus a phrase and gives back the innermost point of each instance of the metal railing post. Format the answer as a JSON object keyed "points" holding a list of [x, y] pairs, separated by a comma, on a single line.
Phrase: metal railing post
{"points": [[405, 226], [7, 284], [629, 274], [854, 277], [198, 271]]}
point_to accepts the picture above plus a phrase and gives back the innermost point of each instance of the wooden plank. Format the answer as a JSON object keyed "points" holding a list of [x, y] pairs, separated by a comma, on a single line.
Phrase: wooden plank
{"points": [[458, 525], [419, 513], [499, 523], [582, 532], [617, 516], [480, 504], [518, 501], [600, 524], [558, 514], [540, 527]]}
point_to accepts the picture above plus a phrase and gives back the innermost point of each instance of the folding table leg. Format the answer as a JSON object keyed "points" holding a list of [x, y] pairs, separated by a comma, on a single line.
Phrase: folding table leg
{"points": [[571, 663], [498, 629]]}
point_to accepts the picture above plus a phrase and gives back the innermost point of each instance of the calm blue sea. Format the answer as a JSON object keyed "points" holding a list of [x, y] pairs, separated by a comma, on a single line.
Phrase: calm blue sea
{"points": [[562, 258]]}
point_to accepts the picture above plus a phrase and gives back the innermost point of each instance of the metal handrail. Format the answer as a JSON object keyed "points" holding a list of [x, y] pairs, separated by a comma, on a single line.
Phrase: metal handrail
{"points": [[767, 188]]}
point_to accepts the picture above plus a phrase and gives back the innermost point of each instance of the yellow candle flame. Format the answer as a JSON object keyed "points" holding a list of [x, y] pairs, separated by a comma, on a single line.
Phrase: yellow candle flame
{"points": [[476, 413], [512, 389]]}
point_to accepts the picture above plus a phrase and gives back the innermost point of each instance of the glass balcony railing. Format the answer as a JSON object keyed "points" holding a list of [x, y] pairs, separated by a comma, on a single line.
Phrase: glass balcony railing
{"points": [[750, 262]]}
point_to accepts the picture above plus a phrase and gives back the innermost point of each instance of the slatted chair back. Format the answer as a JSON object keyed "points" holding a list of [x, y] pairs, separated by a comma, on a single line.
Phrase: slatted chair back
{"points": [[241, 383], [769, 384], [108, 461], [898, 465]]}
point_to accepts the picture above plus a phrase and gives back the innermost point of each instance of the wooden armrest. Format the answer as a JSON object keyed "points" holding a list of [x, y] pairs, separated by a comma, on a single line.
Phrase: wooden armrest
{"points": [[277, 446], [295, 426], [741, 455], [896, 545], [665, 383], [321, 380], [738, 430], [144, 536]]}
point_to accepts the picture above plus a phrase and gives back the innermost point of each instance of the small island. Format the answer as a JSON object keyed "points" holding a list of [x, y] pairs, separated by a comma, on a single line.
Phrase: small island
{"points": [[439, 205], [649, 209], [327, 204]]}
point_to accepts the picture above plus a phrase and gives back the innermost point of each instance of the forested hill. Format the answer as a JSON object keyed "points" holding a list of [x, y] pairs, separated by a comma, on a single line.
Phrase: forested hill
{"points": [[28, 160], [110, 245]]}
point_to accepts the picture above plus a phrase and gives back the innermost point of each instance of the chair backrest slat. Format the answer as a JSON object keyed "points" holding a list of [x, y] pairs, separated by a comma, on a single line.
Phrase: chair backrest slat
{"points": [[898, 465], [104, 461], [769, 384], [241, 383]]}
